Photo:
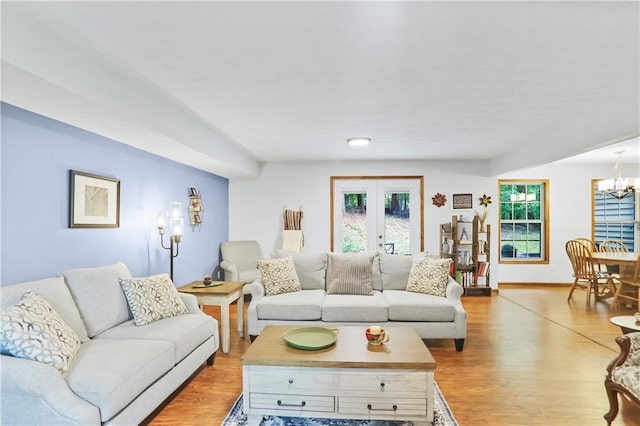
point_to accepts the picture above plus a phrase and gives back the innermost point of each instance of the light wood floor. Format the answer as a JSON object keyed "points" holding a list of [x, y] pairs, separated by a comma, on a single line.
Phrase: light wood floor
{"points": [[530, 358]]}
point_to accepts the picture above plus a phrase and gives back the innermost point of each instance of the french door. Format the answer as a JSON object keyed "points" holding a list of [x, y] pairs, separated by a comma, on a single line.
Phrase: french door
{"points": [[377, 214]]}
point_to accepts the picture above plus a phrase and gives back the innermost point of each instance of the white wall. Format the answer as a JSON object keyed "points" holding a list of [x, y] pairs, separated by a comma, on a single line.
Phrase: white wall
{"points": [[570, 217], [255, 205]]}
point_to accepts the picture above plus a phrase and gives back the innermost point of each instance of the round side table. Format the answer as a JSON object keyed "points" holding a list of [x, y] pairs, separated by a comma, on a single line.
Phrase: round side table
{"points": [[627, 323]]}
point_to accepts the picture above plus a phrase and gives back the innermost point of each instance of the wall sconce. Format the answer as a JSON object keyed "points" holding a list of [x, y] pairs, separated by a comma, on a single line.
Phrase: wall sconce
{"points": [[176, 223]]}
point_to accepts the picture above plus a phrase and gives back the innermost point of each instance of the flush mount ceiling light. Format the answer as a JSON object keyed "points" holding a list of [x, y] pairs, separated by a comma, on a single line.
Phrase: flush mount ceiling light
{"points": [[619, 187], [358, 141]]}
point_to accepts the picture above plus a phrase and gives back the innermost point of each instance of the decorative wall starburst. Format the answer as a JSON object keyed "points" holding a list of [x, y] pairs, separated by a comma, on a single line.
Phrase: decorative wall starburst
{"points": [[439, 199], [485, 200]]}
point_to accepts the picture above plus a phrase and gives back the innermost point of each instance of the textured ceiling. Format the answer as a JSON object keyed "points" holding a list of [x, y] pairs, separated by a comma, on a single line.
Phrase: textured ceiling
{"points": [[224, 86]]}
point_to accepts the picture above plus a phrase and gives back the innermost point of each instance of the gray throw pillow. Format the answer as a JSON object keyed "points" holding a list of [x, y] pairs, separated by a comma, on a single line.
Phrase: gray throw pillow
{"points": [[152, 298], [350, 273], [32, 329]]}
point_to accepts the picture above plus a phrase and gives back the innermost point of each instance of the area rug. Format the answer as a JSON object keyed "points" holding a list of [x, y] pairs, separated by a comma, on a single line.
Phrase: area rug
{"points": [[442, 416]]}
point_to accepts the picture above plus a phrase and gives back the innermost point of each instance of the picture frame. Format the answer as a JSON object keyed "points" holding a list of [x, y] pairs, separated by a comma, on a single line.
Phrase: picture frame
{"points": [[94, 201], [462, 201]]}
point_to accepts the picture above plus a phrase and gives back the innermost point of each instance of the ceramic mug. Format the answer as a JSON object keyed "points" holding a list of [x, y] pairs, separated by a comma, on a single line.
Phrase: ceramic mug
{"points": [[376, 335]]}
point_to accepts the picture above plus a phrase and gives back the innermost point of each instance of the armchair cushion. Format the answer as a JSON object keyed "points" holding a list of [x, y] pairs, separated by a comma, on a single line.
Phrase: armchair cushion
{"points": [[239, 260], [623, 374], [628, 377]]}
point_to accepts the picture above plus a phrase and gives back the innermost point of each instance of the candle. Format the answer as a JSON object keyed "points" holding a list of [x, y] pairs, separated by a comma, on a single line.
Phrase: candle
{"points": [[375, 330]]}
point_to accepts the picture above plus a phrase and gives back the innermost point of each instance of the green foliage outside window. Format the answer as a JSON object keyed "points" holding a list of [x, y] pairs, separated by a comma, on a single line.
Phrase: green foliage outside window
{"points": [[522, 220]]}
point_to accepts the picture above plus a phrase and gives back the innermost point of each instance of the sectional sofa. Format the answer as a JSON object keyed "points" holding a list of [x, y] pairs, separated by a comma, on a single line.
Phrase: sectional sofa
{"points": [[121, 372], [389, 304]]}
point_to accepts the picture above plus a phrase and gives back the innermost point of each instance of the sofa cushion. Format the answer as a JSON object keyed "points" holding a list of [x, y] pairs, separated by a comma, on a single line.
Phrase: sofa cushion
{"points": [[350, 273], [31, 329], [98, 296], [54, 291], [111, 373], [279, 276], [394, 270], [408, 306], [310, 268], [302, 305], [185, 332], [355, 308], [152, 298], [429, 276]]}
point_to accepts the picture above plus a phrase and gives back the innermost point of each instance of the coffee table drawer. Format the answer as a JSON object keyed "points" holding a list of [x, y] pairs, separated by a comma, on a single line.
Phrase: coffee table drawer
{"points": [[291, 380], [292, 402], [399, 407], [384, 383]]}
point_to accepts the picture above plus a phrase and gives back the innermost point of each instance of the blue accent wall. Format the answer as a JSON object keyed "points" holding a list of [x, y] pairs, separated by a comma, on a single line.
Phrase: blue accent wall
{"points": [[37, 154]]}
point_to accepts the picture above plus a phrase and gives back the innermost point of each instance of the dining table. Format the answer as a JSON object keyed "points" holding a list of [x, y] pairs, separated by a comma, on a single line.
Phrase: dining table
{"points": [[626, 261]]}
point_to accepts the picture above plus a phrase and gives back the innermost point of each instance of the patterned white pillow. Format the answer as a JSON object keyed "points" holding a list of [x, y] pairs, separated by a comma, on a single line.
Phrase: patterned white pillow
{"points": [[32, 329], [350, 273], [429, 276], [152, 298], [279, 276]]}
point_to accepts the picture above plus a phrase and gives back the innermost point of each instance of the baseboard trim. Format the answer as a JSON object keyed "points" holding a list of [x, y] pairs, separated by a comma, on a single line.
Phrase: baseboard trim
{"points": [[534, 284]]}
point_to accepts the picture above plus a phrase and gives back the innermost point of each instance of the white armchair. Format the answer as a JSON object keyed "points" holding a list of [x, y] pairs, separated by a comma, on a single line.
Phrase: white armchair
{"points": [[240, 261]]}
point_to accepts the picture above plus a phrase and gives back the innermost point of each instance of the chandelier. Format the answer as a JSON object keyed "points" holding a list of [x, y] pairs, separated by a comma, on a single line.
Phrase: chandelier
{"points": [[619, 187]]}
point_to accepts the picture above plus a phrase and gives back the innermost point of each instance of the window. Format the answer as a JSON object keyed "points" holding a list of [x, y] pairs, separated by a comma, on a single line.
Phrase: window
{"points": [[524, 227], [613, 218]]}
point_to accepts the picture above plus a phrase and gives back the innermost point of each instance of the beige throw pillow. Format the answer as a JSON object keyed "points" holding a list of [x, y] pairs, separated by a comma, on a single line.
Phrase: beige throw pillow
{"points": [[279, 276], [429, 276], [32, 329], [152, 298], [350, 273]]}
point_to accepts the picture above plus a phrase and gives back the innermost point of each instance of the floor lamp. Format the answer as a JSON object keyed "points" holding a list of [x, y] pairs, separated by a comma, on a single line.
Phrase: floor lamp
{"points": [[176, 223]]}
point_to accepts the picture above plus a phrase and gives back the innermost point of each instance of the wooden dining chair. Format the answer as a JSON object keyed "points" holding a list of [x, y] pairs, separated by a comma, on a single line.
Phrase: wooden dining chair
{"points": [[629, 287], [589, 243], [592, 247], [613, 246], [585, 273]]}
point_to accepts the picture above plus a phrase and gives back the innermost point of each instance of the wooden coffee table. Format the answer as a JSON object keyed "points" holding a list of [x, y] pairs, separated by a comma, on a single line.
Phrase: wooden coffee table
{"points": [[350, 379], [223, 296]]}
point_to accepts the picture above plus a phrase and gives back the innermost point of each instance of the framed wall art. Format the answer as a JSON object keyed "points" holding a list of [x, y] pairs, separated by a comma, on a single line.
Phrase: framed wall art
{"points": [[94, 201], [462, 201]]}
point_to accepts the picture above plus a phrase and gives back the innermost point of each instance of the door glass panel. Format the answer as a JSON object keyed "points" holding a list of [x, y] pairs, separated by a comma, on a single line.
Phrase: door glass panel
{"points": [[354, 222], [377, 215], [397, 225]]}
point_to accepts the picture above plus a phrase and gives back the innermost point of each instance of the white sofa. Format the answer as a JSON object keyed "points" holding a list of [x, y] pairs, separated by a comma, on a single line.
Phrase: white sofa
{"points": [[121, 373], [433, 317]]}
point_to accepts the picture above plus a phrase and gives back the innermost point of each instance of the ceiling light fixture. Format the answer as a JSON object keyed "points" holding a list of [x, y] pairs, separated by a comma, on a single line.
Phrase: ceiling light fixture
{"points": [[358, 141], [619, 187]]}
